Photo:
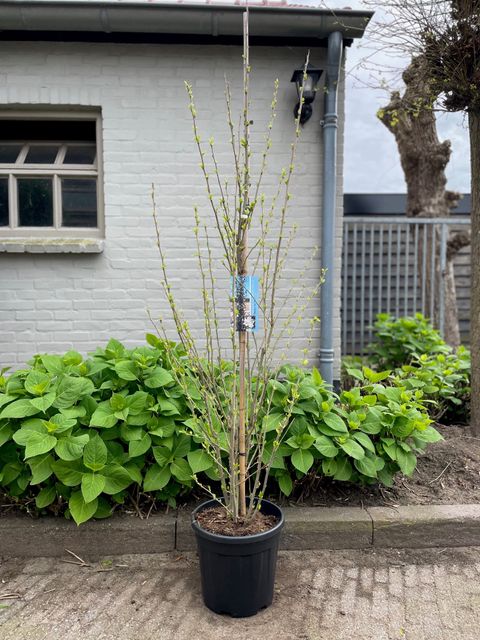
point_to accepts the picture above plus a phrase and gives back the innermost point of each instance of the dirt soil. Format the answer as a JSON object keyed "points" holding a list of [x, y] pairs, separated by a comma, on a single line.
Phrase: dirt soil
{"points": [[216, 520], [448, 472]]}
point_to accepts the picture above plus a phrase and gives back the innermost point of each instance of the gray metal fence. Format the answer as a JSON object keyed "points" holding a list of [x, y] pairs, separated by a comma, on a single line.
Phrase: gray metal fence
{"points": [[386, 262]]}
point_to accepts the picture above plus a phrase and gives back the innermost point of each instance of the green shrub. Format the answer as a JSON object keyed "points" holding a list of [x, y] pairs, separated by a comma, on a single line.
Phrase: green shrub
{"points": [[422, 360], [84, 432], [445, 382], [397, 341], [364, 435], [80, 436]]}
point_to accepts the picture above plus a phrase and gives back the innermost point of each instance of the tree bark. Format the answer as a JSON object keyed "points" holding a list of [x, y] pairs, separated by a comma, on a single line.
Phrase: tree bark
{"points": [[474, 131], [412, 121]]}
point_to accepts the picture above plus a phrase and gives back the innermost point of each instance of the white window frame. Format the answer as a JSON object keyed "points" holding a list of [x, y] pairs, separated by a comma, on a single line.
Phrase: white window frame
{"points": [[56, 171]]}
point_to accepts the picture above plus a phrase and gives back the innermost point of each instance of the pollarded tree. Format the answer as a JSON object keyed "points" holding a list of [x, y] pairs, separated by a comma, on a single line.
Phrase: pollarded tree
{"points": [[411, 118], [446, 33]]}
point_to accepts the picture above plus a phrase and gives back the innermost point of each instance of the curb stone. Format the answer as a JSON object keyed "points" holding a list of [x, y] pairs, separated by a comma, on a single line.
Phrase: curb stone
{"points": [[426, 526], [306, 528]]}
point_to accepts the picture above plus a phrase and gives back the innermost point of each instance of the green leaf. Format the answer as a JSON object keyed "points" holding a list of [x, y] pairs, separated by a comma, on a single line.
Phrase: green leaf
{"points": [[117, 479], [373, 422], [104, 509], [182, 446], [45, 497], [366, 466], [103, 416], [156, 478], [81, 511], [72, 358], [162, 455], [19, 409], [385, 477], [139, 447], [134, 472], [6, 431], [335, 422], [325, 446], [318, 381], [355, 373], [92, 486], [159, 377], [273, 421], [129, 433], [53, 364], [373, 376], [430, 434], [37, 383], [199, 460], [5, 399], [167, 407], [44, 402], [353, 449], [407, 461], [181, 470], [41, 468], [137, 402], [71, 447], [126, 370], [69, 473], [117, 402], [38, 443], [95, 454], [329, 467], [59, 423], [364, 440], [69, 390], [343, 471], [302, 460], [285, 483]]}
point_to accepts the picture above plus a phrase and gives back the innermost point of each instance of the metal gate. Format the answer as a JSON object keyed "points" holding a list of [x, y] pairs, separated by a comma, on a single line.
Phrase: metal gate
{"points": [[385, 265]]}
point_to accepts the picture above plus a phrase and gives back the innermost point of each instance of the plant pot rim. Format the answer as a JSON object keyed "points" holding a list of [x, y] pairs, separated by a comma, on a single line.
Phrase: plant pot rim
{"points": [[249, 539]]}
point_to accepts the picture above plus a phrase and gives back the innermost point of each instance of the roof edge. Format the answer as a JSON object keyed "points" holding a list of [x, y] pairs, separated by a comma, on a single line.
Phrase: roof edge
{"points": [[180, 18]]}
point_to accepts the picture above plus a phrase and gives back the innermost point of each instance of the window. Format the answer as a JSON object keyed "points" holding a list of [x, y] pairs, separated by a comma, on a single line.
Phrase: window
{"points": [[49, 177]]}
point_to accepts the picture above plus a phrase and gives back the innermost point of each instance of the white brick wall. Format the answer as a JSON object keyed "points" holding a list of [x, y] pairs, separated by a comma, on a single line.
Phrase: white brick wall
{"points": [[54, 302]]}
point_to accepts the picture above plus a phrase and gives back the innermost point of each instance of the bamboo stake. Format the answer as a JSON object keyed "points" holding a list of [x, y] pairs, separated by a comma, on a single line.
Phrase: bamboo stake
{"points": [[242, 254]]}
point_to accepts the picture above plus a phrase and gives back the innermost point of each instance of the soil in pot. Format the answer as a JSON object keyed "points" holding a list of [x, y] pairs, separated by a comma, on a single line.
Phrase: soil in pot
{"points": [[216, 520]]}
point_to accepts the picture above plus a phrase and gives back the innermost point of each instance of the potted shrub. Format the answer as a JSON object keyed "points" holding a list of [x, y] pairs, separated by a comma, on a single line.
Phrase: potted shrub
{"points": [[233, 401]]}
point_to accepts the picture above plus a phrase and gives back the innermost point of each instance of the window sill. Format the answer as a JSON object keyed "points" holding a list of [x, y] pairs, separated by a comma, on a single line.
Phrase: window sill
{"points": [[51, 245]]}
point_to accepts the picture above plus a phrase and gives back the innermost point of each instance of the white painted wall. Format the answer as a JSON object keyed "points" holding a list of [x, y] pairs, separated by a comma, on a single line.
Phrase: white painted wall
{"points": [[55, 302]]}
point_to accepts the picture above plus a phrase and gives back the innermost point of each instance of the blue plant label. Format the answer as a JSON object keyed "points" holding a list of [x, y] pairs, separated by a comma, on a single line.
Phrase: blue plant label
{"points": [[246, 294]]}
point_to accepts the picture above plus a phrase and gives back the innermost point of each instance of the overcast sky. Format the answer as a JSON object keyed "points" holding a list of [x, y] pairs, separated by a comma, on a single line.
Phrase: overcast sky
{"points": [[372, 164]]}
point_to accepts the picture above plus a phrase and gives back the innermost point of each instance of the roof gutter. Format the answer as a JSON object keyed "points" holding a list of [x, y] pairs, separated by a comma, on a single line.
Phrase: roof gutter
{"points": [[179, 18]]}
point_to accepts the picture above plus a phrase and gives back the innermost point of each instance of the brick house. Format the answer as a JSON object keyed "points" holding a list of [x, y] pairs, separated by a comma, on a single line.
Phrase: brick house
{"points": [[93, 111]]}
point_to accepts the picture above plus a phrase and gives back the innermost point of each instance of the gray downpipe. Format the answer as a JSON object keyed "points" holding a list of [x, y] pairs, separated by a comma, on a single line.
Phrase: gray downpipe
{"points": [[329, 197]]}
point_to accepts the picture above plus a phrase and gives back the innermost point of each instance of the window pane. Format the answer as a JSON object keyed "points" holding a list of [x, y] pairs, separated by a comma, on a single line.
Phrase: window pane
{"points": [[79, 202], [35, 202], [3, 202], [9, 153], [42, 154], [47, 130], [80, 155]]}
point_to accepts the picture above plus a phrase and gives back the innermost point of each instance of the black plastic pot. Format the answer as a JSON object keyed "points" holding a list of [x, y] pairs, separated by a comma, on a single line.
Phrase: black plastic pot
{"points": [[238, 572]]}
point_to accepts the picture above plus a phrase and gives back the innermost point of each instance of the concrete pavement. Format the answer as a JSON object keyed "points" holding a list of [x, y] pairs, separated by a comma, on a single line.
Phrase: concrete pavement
{"points": [[429, 594]]}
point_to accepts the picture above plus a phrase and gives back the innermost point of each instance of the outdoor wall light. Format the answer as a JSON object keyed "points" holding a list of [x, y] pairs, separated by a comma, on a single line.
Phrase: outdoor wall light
{"points": [[308, 79]]}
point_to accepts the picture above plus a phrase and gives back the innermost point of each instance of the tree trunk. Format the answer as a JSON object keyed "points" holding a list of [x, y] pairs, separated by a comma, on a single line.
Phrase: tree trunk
{"points": [[412, 121], [474, 131]]}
